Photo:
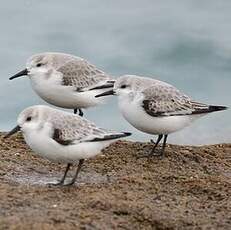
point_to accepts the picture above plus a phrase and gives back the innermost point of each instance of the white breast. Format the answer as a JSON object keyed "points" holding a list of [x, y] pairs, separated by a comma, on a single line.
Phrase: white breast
{"points": [[46, 147], [52, 91], [134, 113]]}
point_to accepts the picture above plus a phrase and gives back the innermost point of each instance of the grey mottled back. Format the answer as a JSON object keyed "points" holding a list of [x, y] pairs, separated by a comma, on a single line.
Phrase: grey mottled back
{"points": [[72, 127], [161, 99], [81, 74]]}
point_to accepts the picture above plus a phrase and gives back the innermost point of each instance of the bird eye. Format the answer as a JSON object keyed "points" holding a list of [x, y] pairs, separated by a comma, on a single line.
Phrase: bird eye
{"points": [[123, 86], [28, 119], [39, 64]]}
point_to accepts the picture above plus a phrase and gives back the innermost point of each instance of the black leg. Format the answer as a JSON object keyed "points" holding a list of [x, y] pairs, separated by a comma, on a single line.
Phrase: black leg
{"points": [[80, 112], [161, 153], [163, 146], [64, 176], [76, 174], [157, 142], [152, 153]]}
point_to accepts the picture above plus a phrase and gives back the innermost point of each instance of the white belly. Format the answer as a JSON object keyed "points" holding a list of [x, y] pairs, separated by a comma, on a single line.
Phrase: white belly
{"points": [[67, 96], [137, 117], [53, 151]]}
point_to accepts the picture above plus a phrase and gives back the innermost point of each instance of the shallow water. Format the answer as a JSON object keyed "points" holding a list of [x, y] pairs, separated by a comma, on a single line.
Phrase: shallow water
{"points": [[186, 43]]}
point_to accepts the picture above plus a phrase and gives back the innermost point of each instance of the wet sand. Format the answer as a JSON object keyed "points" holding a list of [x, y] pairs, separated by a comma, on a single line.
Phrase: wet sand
{"points": [[188, 189]]}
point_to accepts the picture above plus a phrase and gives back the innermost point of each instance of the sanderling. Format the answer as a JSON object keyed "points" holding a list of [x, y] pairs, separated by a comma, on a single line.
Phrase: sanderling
{"points": [[66, 81], [156, 107], [63, 137]]}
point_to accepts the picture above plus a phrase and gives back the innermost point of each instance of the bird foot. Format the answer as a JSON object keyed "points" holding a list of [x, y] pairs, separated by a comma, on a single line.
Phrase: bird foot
{"points": [[55, 184], [69, 183], [152, 141]]}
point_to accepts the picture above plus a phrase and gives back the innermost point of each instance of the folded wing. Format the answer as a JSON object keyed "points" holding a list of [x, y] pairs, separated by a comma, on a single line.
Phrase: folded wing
{"points": [[71, 129], [165, 100], [83, 76]]}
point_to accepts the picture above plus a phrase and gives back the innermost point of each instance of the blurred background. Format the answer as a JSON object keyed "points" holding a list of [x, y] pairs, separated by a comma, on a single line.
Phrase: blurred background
{"points": [[186, 43]]}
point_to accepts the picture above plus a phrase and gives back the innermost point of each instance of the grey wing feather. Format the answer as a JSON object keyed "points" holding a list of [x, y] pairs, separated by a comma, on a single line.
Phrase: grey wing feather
{"points": [[166, 100], [68, 129], [71, 129], [81, 74]]}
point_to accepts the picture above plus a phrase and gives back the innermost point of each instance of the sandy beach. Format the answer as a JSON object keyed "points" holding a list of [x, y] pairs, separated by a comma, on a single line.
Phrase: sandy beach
{"points": [[188, 189]]}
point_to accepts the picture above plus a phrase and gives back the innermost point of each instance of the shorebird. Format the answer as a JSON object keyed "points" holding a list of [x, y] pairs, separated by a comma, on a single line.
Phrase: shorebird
{"points": [[63, 137], [65, 80], [156, 107]]}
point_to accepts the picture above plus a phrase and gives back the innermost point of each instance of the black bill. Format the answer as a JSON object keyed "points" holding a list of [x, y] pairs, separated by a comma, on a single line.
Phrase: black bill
{"points": [[14, 130], [107, 93], [19, 74], [108, 84]]}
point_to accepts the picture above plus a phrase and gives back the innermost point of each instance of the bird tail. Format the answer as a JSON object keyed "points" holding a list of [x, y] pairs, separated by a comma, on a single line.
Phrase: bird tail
{"points": [[214, 108], [203, 108], [111, 136]]}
